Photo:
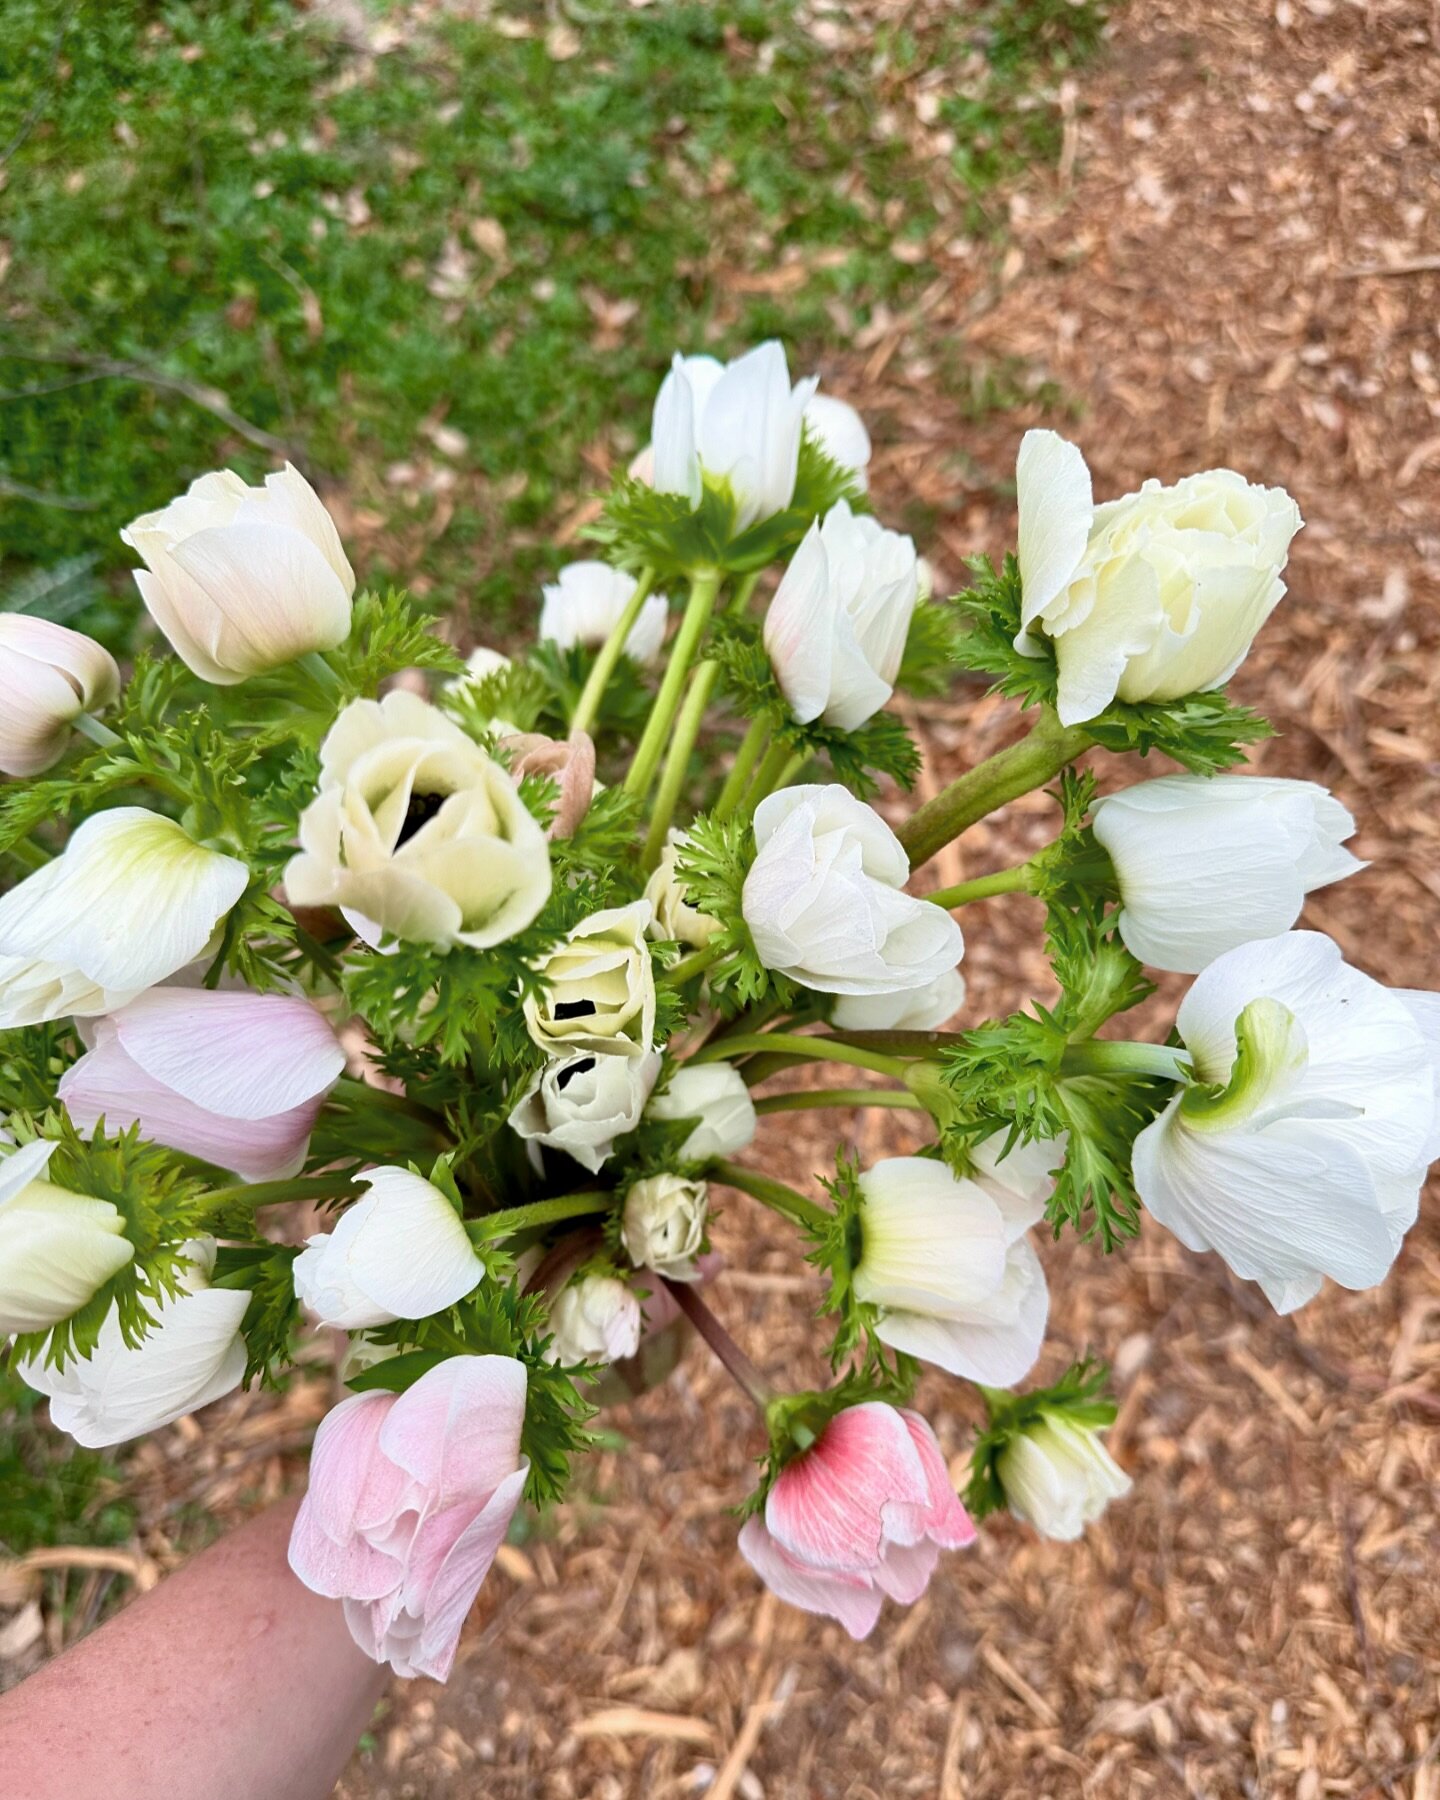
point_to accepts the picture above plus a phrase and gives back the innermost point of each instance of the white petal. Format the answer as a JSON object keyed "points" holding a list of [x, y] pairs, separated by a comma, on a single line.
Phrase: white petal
{"points": [[1057, 507]]}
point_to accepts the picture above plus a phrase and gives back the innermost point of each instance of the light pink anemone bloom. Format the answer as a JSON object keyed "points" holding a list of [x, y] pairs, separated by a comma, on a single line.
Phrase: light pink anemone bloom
{"points": [[233, 1077], [865, 1512], [410, 1498]]}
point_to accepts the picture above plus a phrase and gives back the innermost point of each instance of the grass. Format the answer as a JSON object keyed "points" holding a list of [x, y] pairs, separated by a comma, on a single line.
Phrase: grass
{"points": [[50, 1492], [446, 263]]}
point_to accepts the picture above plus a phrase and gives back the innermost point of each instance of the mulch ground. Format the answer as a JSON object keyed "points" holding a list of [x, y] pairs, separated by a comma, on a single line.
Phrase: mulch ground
{"points": [[1236, 264]]}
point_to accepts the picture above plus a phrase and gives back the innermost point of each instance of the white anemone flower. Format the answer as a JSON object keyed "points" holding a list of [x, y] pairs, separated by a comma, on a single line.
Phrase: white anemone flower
{"points": [[131, 899], [192, 1355], [835, 631], [243, 579], [1303, 1153], [736, 425], [947, 1260], [1208, 863], [1152, 596], [416, 831], [825, 901]]}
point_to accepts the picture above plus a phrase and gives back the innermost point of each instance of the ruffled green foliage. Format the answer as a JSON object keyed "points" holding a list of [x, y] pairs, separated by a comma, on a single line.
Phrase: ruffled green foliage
{"points": [[1010, 1075], [838, 1247], [712, 865], [641, 528], [1205, 733]]}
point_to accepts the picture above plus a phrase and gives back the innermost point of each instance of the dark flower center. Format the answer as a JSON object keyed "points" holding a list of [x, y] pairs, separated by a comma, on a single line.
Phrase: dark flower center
{"points": [[582, 1066], [421, 810], [574, 1009]]}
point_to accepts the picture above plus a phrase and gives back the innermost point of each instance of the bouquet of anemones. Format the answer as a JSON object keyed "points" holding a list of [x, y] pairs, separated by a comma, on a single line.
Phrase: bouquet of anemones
{"points": [[485, 969]]}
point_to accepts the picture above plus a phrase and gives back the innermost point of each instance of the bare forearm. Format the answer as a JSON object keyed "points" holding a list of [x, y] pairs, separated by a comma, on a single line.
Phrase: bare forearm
{"points": [[230, 1682]]}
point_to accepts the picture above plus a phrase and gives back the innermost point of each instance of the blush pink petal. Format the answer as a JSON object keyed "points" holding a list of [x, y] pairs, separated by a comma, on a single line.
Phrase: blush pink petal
{"points": [[904, 1571], [243, 1055], [828, 1507], [107, 1083], [410, 1498], [846, 1598], [347, 1484], [460, 1578], [456, 1432]]}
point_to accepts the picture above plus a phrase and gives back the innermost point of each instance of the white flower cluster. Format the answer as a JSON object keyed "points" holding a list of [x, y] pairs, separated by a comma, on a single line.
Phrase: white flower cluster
{"points": [[497, 981]]}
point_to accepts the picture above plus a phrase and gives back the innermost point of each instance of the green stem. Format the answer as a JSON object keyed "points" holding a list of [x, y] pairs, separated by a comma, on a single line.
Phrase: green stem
{"points": [[801, 1049], [734, 1360], [817, 1099], [1003, 881], [90, 727], [495, 1225], [362, 1093], [273, 1193], [1096, 1056], [777, 759], [603, 667], [677, 758], [320, 672], [28, 855], [703, 588], [1001, 778], [774, 1194], [744, 588], [746, 757], [692, 965]]}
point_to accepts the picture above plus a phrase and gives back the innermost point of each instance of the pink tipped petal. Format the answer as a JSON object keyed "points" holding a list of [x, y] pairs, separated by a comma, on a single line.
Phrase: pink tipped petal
{"points": [[948, 1524], [847, 1599], [828, 1507], [242, 1055]]}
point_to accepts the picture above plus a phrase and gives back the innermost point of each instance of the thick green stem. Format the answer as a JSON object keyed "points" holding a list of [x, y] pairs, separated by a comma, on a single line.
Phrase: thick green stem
{"points": [[774, 1194], [1001, 778], [609, 655], [767, 778], [801, 1048], [692, 965], [274, 1193], [703, 588], [1097, 1056], [744, 588], [677, 758], [90, 727], [28, 855], [324, 677], [1003, 881], [736, 1363], [816, 1099], [493, 1226], [363, 1093], [746, 757]]}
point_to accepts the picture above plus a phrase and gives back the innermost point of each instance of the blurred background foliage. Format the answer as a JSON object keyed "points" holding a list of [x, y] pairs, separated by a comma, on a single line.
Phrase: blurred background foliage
{"points": [[439, 254]]}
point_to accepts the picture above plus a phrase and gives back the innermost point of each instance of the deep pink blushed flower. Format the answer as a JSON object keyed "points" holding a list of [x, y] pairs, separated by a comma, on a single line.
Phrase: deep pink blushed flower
{"points": [[865, 1512], [410, 1498]]}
